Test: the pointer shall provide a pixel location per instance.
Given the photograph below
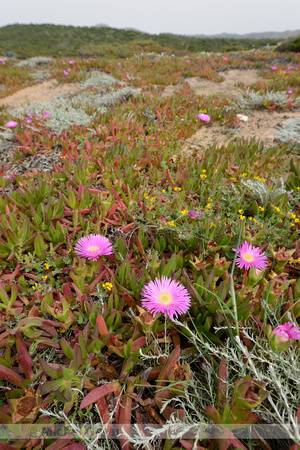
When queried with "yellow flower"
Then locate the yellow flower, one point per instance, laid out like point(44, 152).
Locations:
point(208, 205)
point(216, 170)
point(203, 170)
point(171, 223)
point(184, 212)
point(152, 198)
point(242, 217)
point(241, 211)
point(292, 224)
point(177, 189)
point(47, 266)
point(261, 208)
point(277, 209)
point(296, 220)
point(244, 174)
point(202, 175)
point(164, 191)
point(212, 225)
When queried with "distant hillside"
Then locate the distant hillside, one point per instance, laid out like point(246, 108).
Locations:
point(60, 40)
point(279, 35)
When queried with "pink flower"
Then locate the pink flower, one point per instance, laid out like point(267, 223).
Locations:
point(188, 61)
point(249, 256)
point(234, 166)
point(127, 75)
point(2, 60)
point(46, 114)
point(28, 120)
point(72, 62)
point(195, 214)
point(37, 116)
point(93, 246)
point(66, 73)
point(288, 331)
point(11, 124)
point(119, 64)
point(290, 91)
point(274, 68)
point(166, 296)
point(204, 117)
point(225, 59)
point(69, 69)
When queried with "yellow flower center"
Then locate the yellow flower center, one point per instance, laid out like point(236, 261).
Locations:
point(165, 298)
point(248, 257)
point(93, 248)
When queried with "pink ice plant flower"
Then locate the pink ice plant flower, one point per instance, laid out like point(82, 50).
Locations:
point(66, 73)
point(2, 60)
point(28, 120)
point(249, 256)
point(93, 246)
point(11, 124)
point(204, 117)
point(46, 114)
point(288, 331)
point(166, 296)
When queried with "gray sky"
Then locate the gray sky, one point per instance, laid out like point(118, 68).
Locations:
point(158, 16)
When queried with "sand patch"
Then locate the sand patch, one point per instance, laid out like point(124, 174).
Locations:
point(39, 93)
point(203, 86)
point(261, 125)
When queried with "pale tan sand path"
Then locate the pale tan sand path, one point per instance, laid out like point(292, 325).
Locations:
point(39, 93)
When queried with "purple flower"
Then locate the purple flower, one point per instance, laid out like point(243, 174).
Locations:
point(290, 91)
point(28, 120)
point(225, 59)
point(11, 124)
point(2, 60)
point(195, 214)
point(66, 73)
point(204, 117)
point(188, 61)
point(166, 296)
point(119, 64)
point(274, 68)
point(93, 246)
point(46, 114)
point(249, 256)
point(288, 331)
point(72, 62)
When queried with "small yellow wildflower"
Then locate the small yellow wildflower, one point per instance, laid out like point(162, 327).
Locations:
point(202, 175)
point(171, 223)
point(184, 212)
point(298, 188)
point(277, 209)
point(261, 208)
point(297, 220)
point(204, 171)
point(164, 191)
point(47, 266)
point(216, 170)
point(292, 224)
point(177, 189)
point(244, 174)
point(45, 277)
point(242, 217)
point(152, 199)
point(212, 225)
point(241, 211)
point(108, 286)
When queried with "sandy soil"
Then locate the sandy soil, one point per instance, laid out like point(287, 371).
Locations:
point(39, 93)
point(261, 124)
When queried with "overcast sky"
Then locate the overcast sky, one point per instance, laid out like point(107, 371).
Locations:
point(159, 16)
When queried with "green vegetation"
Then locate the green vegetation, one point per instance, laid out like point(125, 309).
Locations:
point(84, 362)
point(59, 40)
point(290, 45)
